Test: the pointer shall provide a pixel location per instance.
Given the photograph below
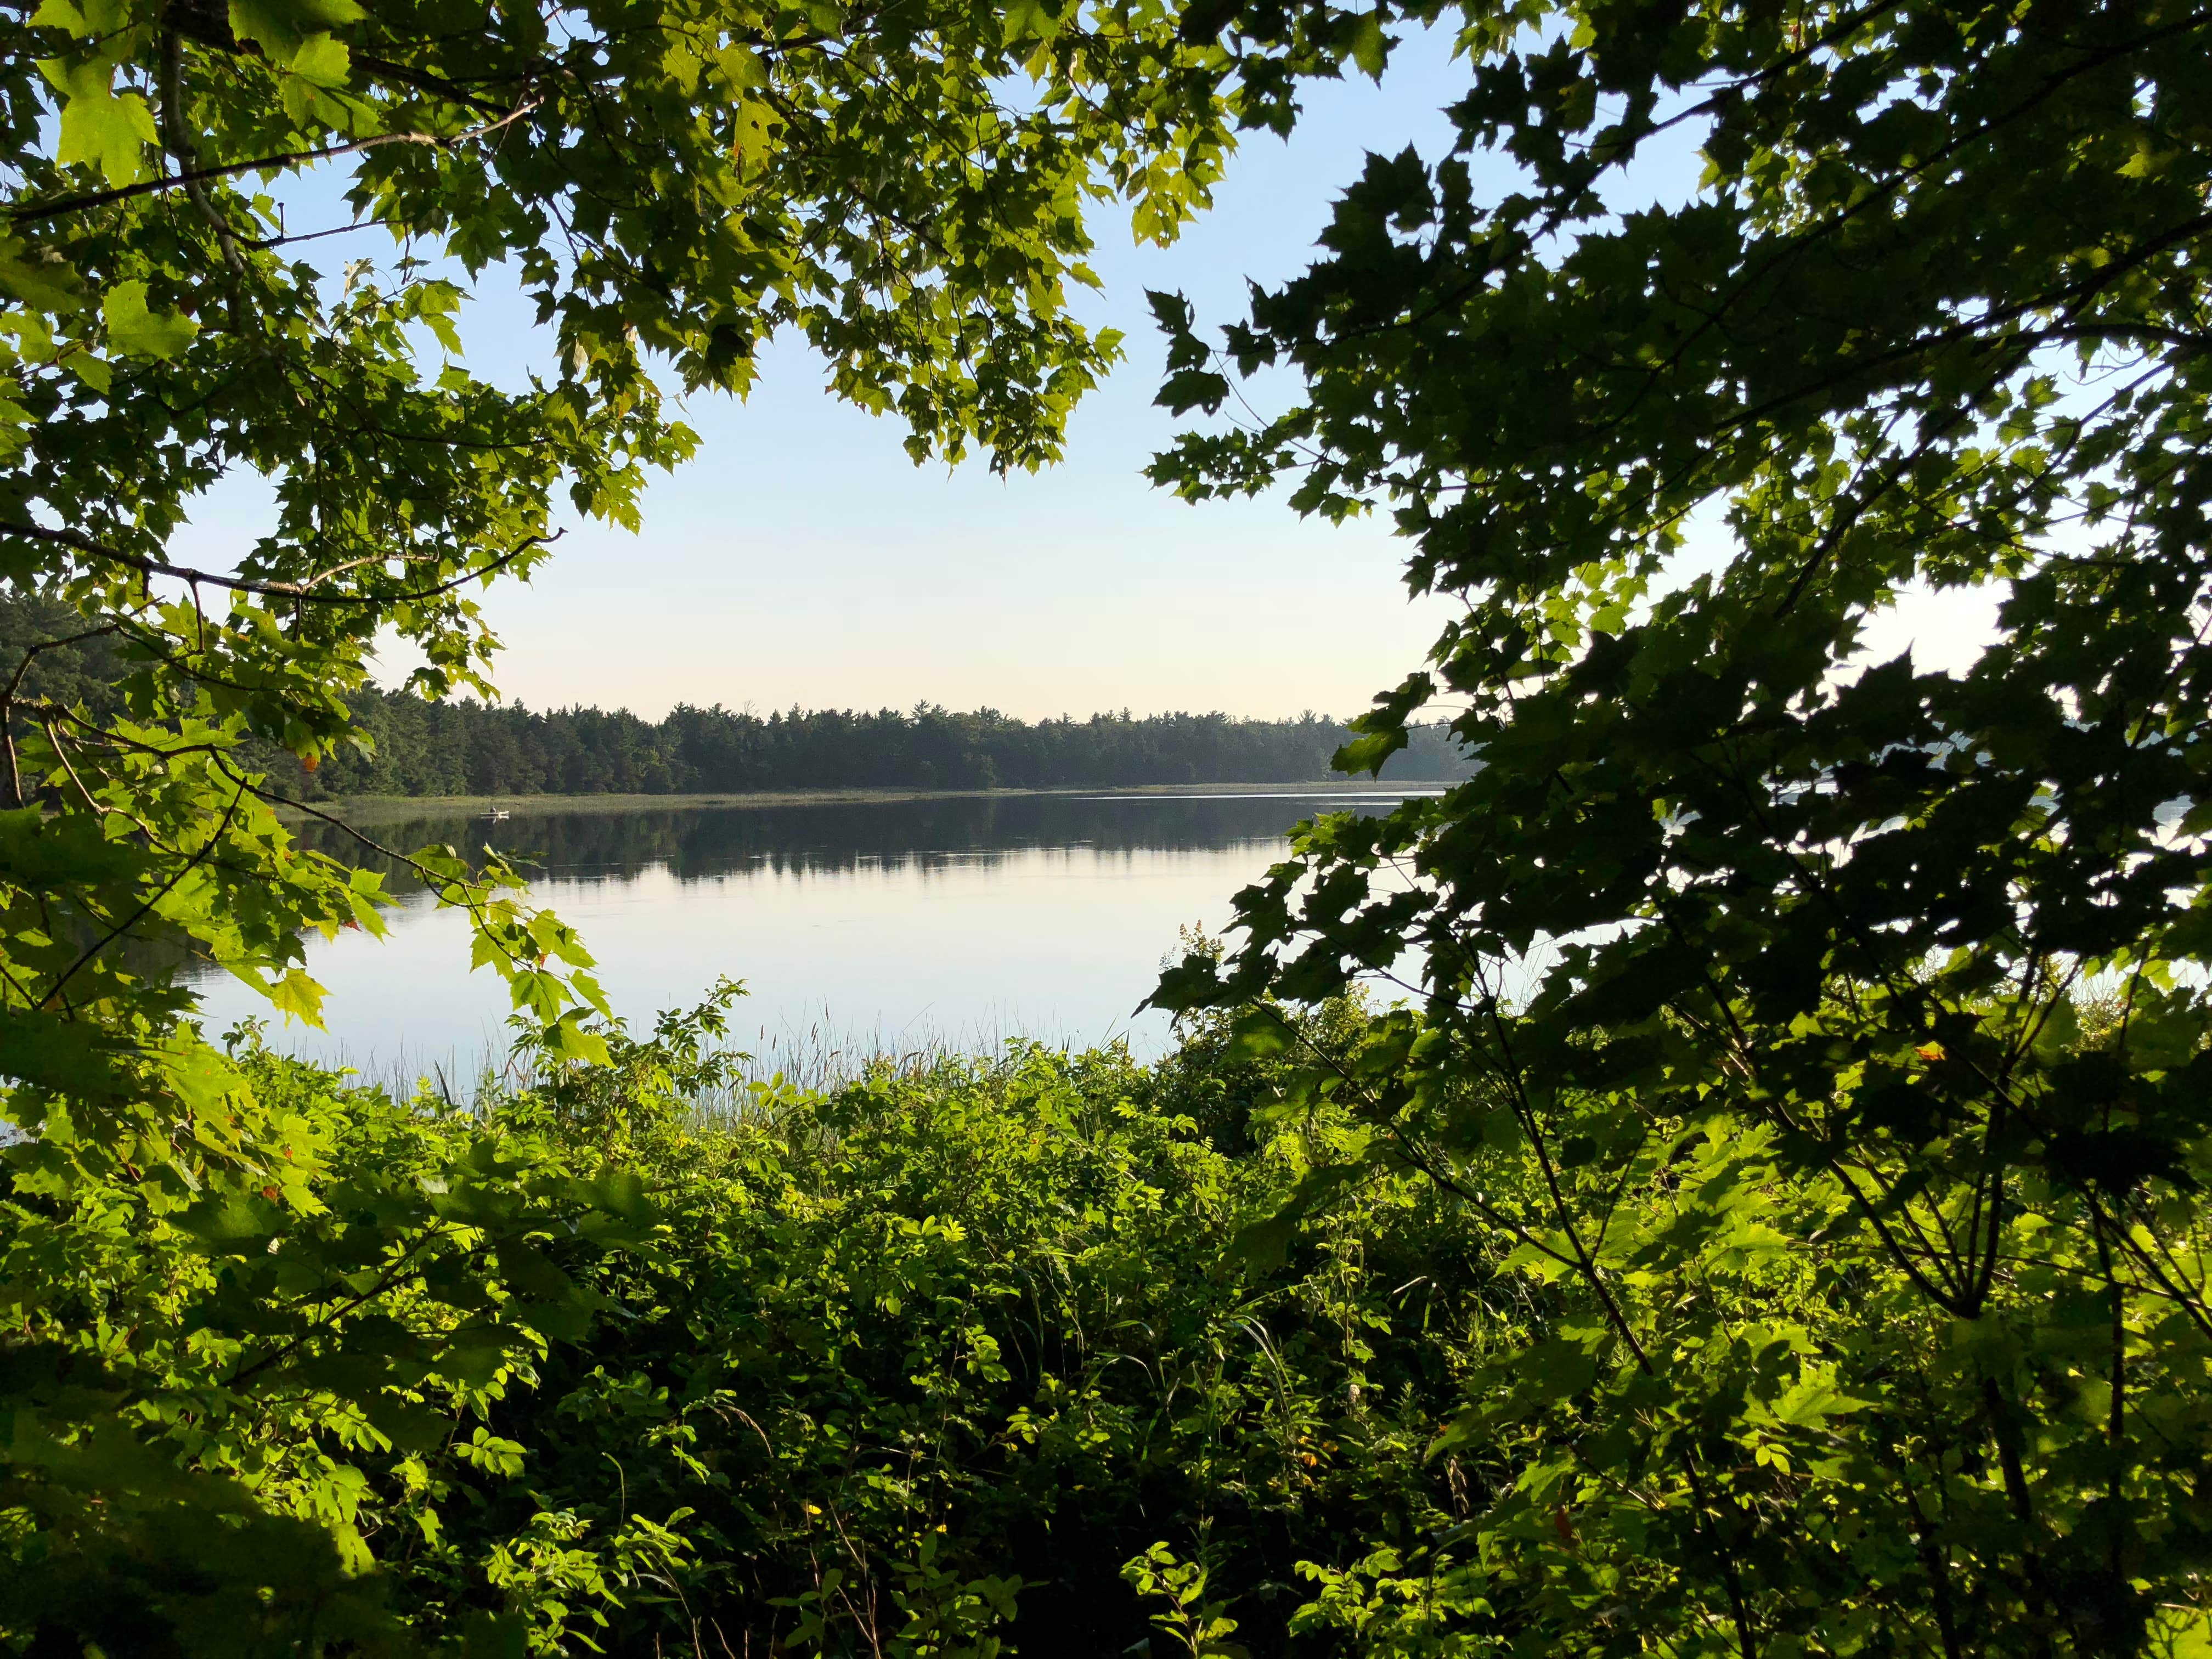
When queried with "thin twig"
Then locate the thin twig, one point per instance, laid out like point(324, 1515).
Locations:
point(33, 212)
point(297, 592)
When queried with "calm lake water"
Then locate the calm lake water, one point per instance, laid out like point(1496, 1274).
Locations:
point(856, 926)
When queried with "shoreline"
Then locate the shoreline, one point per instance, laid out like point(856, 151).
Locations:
point(393, 809)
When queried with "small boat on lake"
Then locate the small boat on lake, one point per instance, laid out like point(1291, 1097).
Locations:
point(496, 814)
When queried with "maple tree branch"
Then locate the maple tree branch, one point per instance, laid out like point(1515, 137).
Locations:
point(187, 178)
point(299, 592)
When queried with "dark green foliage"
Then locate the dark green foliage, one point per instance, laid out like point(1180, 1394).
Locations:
point(1746, 945)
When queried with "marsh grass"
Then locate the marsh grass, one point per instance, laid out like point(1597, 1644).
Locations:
point(820, 1057)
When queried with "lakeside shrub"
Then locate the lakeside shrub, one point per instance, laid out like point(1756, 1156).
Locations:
point(912, 1367)
point(1038, 1352)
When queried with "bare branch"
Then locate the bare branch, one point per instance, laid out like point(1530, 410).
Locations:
point(299, 592)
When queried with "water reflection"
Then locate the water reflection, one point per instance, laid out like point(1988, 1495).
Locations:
point(964, 920)
point(839, 837)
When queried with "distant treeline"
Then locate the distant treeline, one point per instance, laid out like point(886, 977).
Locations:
point(423, 748)
point(467, 748)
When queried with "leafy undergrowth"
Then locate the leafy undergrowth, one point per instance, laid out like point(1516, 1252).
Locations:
point(1055, 1354)
point(917, 1367)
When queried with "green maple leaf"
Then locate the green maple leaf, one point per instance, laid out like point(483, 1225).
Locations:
point(99, 127)
point(133, 330)
point(291, 30)
point(322, 61)
point(1814, 1399)
point(39, 278)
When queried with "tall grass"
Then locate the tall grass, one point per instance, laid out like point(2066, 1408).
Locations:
point(820, 1057)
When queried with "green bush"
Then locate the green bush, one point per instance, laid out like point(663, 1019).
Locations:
point(1057, 1353)
point(914, 1368)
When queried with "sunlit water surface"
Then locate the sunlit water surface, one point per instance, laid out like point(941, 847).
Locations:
point(855, 926)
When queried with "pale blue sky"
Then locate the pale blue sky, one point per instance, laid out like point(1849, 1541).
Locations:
point(802, 559)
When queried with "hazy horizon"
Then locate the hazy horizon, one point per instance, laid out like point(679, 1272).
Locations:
point(760, 710)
